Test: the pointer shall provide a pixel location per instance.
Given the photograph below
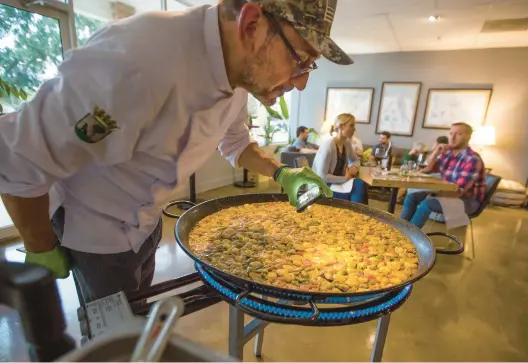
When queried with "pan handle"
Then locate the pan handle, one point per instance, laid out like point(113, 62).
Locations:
point(444, 251)
point(284, 319)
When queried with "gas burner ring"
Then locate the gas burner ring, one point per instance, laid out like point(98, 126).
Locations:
point(305, 297)
point(281, 311)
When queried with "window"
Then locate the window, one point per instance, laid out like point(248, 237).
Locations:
point(271, 130)
point(174, 5)
point(85, 26)
point(91, 15)
point(32, 42)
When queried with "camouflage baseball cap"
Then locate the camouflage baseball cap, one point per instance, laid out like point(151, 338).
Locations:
point(313, 20)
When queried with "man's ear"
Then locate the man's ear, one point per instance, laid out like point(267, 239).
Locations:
point(252, 26)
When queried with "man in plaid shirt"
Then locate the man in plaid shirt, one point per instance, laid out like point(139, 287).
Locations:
point(457, 163)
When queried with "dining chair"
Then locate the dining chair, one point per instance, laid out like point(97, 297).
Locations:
point(492, 183)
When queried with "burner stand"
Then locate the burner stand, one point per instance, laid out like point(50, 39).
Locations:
point(265, 310)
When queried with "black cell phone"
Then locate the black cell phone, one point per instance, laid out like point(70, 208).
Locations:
point(308, 198)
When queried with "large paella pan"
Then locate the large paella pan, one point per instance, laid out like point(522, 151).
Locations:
point(226, 236)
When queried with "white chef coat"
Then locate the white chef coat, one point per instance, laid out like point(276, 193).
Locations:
point(161, 77)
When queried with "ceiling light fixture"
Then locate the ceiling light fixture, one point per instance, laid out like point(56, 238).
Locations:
point(434, 18)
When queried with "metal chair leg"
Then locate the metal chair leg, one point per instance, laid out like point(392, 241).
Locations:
point(433, 222)
point(472, 239)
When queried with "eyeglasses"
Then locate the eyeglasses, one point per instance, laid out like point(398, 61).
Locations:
point(302, 66)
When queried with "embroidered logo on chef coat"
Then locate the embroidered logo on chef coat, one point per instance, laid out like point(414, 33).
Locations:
point(94, 127)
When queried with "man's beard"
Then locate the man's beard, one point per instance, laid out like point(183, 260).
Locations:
point(248, 80)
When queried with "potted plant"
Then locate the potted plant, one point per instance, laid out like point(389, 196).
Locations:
point(312, 134)
point(10, 92)
point(269, 129)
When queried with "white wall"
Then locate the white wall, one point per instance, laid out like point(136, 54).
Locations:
point(505, 70)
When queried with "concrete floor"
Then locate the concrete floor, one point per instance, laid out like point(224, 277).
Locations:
point(463, 310)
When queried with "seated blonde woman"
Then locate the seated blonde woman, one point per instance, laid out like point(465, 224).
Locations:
point(336, 162)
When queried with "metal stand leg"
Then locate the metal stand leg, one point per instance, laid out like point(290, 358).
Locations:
point(381, 337)
point(183, 204)
point(393, 199)
point(246, 183)
point(192, 188)
point(236, 333)
point(240, 334)
point(259, 339)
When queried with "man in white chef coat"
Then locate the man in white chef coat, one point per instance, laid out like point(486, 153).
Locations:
point(134, 113)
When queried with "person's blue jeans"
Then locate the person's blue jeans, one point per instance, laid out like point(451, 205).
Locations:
point(358, 194)
point(417, 209)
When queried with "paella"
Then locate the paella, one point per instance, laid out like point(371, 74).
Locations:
point(325, 249)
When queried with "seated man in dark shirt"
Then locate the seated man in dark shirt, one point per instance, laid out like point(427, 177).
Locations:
point(457, 163)
point(383, 148)
point(440, 140)
point(302, 140)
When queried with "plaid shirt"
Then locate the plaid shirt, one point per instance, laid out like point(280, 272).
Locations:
point(465, 169)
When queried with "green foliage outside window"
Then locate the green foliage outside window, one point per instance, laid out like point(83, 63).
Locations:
point(33, 50)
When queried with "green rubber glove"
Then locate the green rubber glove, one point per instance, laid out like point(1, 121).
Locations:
point(292, 179)
point(56, 261)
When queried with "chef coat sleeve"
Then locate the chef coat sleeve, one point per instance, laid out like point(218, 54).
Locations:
point(55, 134)
point(236, 139)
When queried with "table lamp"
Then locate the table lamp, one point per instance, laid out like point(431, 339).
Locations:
point(483, 136)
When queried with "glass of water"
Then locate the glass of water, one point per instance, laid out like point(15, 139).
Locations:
point(403, 169)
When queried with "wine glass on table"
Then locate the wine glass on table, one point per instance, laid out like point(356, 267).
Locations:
point(378, 155)
point(421, 161)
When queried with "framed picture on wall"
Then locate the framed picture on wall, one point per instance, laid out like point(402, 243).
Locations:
point(447, 106)
point(397, 110)
point(354, 100)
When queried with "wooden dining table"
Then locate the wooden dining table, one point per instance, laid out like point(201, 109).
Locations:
point(374, 177)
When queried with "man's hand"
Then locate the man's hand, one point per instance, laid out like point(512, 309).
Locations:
point(431, 159)
point(440, 149)
point(31, 218)
point(292, 179)
point(56, 261)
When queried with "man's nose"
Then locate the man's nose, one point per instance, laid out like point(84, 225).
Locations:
point(300, 82)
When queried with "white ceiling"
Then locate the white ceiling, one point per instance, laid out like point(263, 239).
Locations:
point(373, 26)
